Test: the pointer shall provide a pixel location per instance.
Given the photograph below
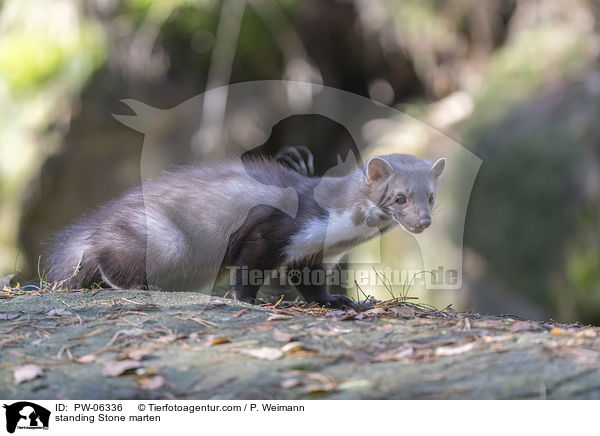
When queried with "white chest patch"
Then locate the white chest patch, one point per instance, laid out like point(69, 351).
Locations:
point(330, 236)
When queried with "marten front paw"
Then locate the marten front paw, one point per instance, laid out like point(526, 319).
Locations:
point(252, 300)
point(340, 302)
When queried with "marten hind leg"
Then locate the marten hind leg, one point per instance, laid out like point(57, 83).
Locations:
point(123, 274)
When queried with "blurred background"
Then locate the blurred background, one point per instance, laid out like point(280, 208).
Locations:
point(517, 82)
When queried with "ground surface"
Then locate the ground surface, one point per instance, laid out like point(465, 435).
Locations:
point(151, 345)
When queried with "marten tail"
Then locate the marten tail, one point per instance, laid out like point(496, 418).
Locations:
point(68, 259)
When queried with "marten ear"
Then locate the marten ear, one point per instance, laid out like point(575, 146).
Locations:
point(378, 169)
point(438, 168)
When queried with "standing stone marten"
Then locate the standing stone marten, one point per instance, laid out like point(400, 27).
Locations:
point(183, 229)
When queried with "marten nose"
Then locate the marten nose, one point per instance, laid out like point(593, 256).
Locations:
point(425, 222)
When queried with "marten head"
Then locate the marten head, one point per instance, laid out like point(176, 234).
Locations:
point(403, 187)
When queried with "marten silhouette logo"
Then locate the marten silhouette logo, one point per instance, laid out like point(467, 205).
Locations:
point(232, 122)
point(26, 415)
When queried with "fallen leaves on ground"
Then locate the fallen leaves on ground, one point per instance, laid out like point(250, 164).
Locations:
point(406, 334)
point(280, 336)
point(454, 350)
point(587, 333)
point(403, 312)
point(264, 353)
point(279, 317)
point(400, 353)
point(217, 340)
point(151, 383)
point(137, 353)
point(88, 358)
point(355, 384)
point(290, 383)
point(59, 312)
point(321, 384)
point(520, 326)
point(296, 347)
point(27, 372)
point(117, 368)
point(169, 338)
point(464, 324)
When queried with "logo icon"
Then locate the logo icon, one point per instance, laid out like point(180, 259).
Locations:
point(189, 133)
point(26, 415)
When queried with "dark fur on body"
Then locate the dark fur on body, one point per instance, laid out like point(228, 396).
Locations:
point(181, 230)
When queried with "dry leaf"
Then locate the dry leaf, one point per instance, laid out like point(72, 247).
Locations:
point(355, 384)
point(587, 333)
point(146, 372)
point(323, 332)
point(293, 347)
point(279, 317)
point(361, 357)
point(167, 339)
point(452, 351)
point(404, 353)
point(524, 326)
point(375, 311)
point(556, 331)
point(264, 353)
point(132, 332)
point(486, 324)
point(332, 332)
point(115, 369)
point(498, 338)
point(88, 358)
point(152, 382)
point(464, 324)
point(59, 312)
point(320, 389)
point(397, 354)
point(403, 312)
point(27, 372)
point(290, 383)
point(351, 315)
point(212, 341)
point(266, 326)
point(280, 336)
point(136, 353)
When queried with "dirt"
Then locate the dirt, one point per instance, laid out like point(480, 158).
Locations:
point(108, 344)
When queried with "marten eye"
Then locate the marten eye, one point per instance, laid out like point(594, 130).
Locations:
point(401, 199)
point(431, 198)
